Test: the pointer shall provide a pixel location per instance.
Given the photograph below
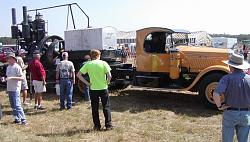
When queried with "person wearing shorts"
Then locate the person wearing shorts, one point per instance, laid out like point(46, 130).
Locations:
point(39, 86)
point(38, 76)
point(24, 85)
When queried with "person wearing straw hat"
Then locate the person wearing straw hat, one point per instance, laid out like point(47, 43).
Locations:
point(24, 86)
point(236, 90)
point(14, 77)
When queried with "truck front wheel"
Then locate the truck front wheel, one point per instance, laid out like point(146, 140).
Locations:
point(207, 87)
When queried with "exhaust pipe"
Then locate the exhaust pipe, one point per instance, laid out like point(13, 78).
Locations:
point(13, 11)
point(25, 19)
point(14, 27)
point(25, 25)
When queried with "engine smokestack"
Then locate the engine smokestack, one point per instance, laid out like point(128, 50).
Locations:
point(14, 27)
point(25, 25)
point(25, 19)
point(13, 11)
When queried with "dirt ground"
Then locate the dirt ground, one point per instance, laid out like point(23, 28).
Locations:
point(138, 115)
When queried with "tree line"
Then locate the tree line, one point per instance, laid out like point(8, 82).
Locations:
point(7, 40)
point(239, 37)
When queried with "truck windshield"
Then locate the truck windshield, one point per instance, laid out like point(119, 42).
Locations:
point(180, 39)
point(160, 42)
point(157, 41)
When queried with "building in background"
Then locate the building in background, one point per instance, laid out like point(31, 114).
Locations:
point(224, 42)
point(127, 39)
point(200, 38)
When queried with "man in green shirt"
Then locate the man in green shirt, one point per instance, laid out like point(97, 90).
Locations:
point(100, 76)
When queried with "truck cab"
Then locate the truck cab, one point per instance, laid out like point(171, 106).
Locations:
point(165, 60)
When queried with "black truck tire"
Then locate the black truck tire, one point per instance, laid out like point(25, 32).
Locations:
point(207, 87)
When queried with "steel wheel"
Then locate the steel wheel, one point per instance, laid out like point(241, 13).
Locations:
point(210, 91)
point(207, 87)
point(50, 48)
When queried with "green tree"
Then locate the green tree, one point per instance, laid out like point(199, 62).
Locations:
point(239, 37)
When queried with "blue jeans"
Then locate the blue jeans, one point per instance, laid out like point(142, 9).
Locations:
point(66, 91)
point(15, 103)
point(86, 93)
point(238, 121)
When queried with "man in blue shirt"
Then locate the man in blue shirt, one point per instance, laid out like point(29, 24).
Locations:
point(236, 89)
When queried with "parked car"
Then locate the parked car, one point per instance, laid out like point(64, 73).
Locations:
point(4, 52)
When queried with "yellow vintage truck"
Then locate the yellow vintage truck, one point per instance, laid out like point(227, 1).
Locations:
point(164, 60)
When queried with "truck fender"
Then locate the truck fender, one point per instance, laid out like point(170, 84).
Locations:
point(202, 73)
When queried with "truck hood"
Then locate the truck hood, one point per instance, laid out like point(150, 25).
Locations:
point(200, 58)
point(207, 50)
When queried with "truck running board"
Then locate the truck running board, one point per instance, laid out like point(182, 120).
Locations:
point(169, 90)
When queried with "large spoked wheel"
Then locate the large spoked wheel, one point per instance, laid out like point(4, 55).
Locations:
point(207, 87)
point(51, 48)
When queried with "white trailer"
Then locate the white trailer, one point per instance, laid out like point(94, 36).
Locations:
point(91, 38)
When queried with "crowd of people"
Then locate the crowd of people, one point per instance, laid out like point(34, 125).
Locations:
point(94, 73)
point(124, 52)
point(96, 76)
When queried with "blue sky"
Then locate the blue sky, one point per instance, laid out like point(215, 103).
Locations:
point(214, 16)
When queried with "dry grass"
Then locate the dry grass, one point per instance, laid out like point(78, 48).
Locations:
point(137, 116)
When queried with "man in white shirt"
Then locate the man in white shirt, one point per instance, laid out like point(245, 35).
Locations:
point(14, 77)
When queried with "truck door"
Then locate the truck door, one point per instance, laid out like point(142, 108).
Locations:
point(151, 52)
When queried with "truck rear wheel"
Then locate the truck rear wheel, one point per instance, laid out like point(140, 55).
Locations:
point(207, 87)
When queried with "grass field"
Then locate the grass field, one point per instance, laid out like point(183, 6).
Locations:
point(137, 115)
